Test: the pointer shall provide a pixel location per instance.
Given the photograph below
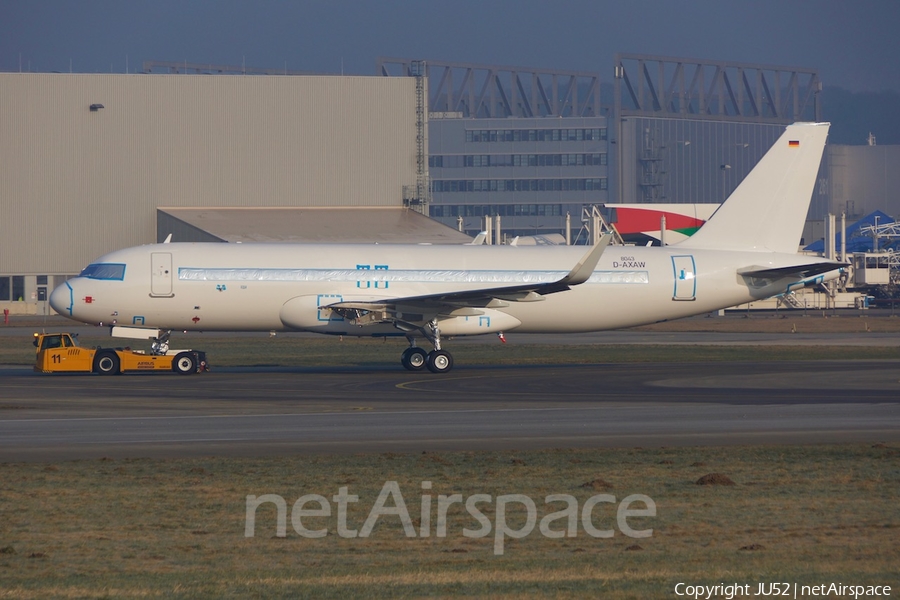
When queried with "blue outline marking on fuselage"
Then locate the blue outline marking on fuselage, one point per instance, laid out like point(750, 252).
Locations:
point(71, 298)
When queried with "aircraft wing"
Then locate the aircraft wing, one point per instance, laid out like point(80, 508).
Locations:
point(428, 306)
point(793, 271)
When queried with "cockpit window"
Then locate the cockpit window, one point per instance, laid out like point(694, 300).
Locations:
point(58, 341)
point(52, 341)
point(114, 271)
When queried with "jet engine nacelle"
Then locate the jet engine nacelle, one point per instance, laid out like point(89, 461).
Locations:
point(486, 321)
point(303, 312)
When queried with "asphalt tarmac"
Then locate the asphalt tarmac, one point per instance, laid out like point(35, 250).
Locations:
point(273, 411)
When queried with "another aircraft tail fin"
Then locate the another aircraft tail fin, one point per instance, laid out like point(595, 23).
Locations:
point(768, 209)
point(479, 239)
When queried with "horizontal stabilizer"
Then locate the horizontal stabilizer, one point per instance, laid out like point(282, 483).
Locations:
point(794, 271)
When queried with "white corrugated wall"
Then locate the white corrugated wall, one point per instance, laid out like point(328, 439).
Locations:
point(76, 183)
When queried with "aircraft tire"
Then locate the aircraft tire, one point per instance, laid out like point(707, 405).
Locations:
point(185, 363)
point(106, 363)
point(439, 361)
point(414, 359)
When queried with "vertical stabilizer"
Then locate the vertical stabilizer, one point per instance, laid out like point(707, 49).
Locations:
point(768, 209)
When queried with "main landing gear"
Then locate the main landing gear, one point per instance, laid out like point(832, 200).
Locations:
point(437, 361)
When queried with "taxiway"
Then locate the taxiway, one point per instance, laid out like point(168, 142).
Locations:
point(260, 411)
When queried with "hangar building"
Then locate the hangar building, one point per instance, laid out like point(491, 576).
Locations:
point(90, 163)
point(525, 146)
point(530, 146)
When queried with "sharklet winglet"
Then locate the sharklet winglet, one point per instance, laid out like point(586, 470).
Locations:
point(582, 271)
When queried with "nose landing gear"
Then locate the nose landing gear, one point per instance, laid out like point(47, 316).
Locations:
point(160, 344)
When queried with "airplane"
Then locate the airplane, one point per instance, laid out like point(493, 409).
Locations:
point(746, 251)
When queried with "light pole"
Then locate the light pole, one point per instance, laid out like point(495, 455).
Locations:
point(724, 168)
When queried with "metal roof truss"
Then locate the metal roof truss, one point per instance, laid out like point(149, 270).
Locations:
point(658, 86)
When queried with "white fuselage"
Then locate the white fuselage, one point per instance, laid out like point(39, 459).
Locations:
point(278, 287)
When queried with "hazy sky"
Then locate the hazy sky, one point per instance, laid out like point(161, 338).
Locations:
point(853, 43)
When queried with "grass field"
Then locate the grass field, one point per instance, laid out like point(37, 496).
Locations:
point(311, 351)
point(291, 351)
point(161, 528)
point(152, 528)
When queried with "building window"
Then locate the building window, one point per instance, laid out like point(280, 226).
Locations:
point(503, 210)
point(18, 287)
point(518, 185)
point(4, 289)
point(517, 160)
point(535, 135)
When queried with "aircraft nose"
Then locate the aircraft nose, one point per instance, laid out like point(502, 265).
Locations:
point(61, 299)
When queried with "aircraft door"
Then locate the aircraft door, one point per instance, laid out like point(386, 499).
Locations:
point(685, 278)
point(161, 274)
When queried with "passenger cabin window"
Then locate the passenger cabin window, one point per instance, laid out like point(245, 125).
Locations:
point(113, 271)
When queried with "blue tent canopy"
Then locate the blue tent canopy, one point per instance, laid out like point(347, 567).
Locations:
point(856, 241)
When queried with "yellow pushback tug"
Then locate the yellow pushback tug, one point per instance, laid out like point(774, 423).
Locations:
point(60, 353)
